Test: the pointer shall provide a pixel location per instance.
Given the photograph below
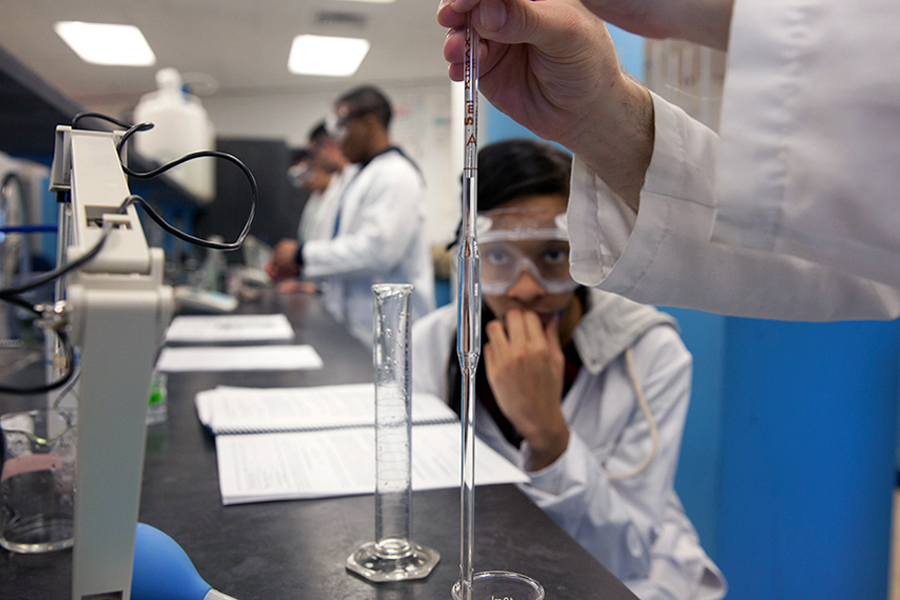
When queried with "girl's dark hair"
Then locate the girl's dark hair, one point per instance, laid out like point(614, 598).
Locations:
point(521, 167)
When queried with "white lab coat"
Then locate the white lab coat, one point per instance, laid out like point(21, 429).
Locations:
point(664, 255)
point(317, 219)
point(636, 527)
point(811, 133)
point(809, 166)
point(380, 239)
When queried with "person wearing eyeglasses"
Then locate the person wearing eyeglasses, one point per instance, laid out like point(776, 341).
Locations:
point(321, 169)
point(585, 390)
point(378, 229)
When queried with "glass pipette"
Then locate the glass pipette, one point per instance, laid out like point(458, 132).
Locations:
point(468, 346)
point(468, 334)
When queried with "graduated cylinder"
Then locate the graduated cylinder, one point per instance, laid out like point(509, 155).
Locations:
point(392, 556)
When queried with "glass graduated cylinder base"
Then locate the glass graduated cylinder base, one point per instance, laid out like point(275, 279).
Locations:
point(382, 562)
point(501, 585)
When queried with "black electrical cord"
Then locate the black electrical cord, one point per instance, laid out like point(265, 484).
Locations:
point(58, 383)
point(93, 115)
point(130, 130)
point(12, 294)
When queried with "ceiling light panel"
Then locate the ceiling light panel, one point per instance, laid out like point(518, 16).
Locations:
point(107, 44)
point(322, 55)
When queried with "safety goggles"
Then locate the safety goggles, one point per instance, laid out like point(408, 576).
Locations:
point(514, 240)
point(336, 125)
point(299, 174)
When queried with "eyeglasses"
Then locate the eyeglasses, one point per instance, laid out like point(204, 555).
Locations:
point(336, 125)
point(299, 173)
point(515, 240)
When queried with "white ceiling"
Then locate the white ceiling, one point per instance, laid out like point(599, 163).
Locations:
point(241, 45)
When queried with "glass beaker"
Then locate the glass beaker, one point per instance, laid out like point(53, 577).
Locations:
point(500, 585)
point(37, 481)
point(392, 556)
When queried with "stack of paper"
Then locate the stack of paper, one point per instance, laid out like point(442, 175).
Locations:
point(320, 442)
point(231, 328)
point(238, 358)
point(258, 410)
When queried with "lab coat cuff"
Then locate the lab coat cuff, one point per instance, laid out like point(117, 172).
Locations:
point(684, 160)
point(298, 256)
point(599, 224)
point(556, 478)
point(613, 249)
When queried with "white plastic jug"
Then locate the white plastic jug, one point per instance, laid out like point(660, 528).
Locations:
point(181, 126)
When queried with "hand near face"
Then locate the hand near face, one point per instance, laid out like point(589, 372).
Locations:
point(525, 368)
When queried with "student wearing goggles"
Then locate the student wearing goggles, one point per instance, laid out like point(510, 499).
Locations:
point(533, 239)
point(585, 390)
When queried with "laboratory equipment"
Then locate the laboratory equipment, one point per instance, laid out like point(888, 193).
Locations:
point(120, 298)
point(486, 585)
point(392, 556)
point(37, 480)
point(158, 409)
point(514, 239)
point(182, 126)
point(501, 585)
point(163, 570)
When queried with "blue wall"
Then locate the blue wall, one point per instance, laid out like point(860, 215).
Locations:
point(808, 441)
point(699, 478)
point(788, 459)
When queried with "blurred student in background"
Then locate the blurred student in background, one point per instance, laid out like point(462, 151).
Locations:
point(378, 228)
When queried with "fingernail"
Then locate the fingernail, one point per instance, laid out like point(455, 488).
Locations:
point(494, 15)
point(442, 4)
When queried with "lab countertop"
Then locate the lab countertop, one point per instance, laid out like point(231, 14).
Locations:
point(297, 549)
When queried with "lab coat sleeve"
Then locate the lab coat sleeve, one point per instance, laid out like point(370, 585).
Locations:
point(432, 343)
point(386, 223)
point(809, 133)
point(665, 256)
point(618, 521)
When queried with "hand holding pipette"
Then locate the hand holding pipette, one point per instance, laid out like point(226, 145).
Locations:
point(552, 67)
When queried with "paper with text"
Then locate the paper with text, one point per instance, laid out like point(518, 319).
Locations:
point(341, 462)
point(238, 358)
point(230, 328)
point(246, 410)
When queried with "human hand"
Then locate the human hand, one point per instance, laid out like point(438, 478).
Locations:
point(292, 286)
point(276, 274)
point(704, 22)
point(284, 254)
point(552, 67)
point(525, 368)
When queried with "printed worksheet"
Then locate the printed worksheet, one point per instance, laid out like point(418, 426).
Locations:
point(238, 358)
point(341, 462)
point(230, 328)
point(227, 409)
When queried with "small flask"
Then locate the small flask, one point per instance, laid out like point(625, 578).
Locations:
point(157, 411)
